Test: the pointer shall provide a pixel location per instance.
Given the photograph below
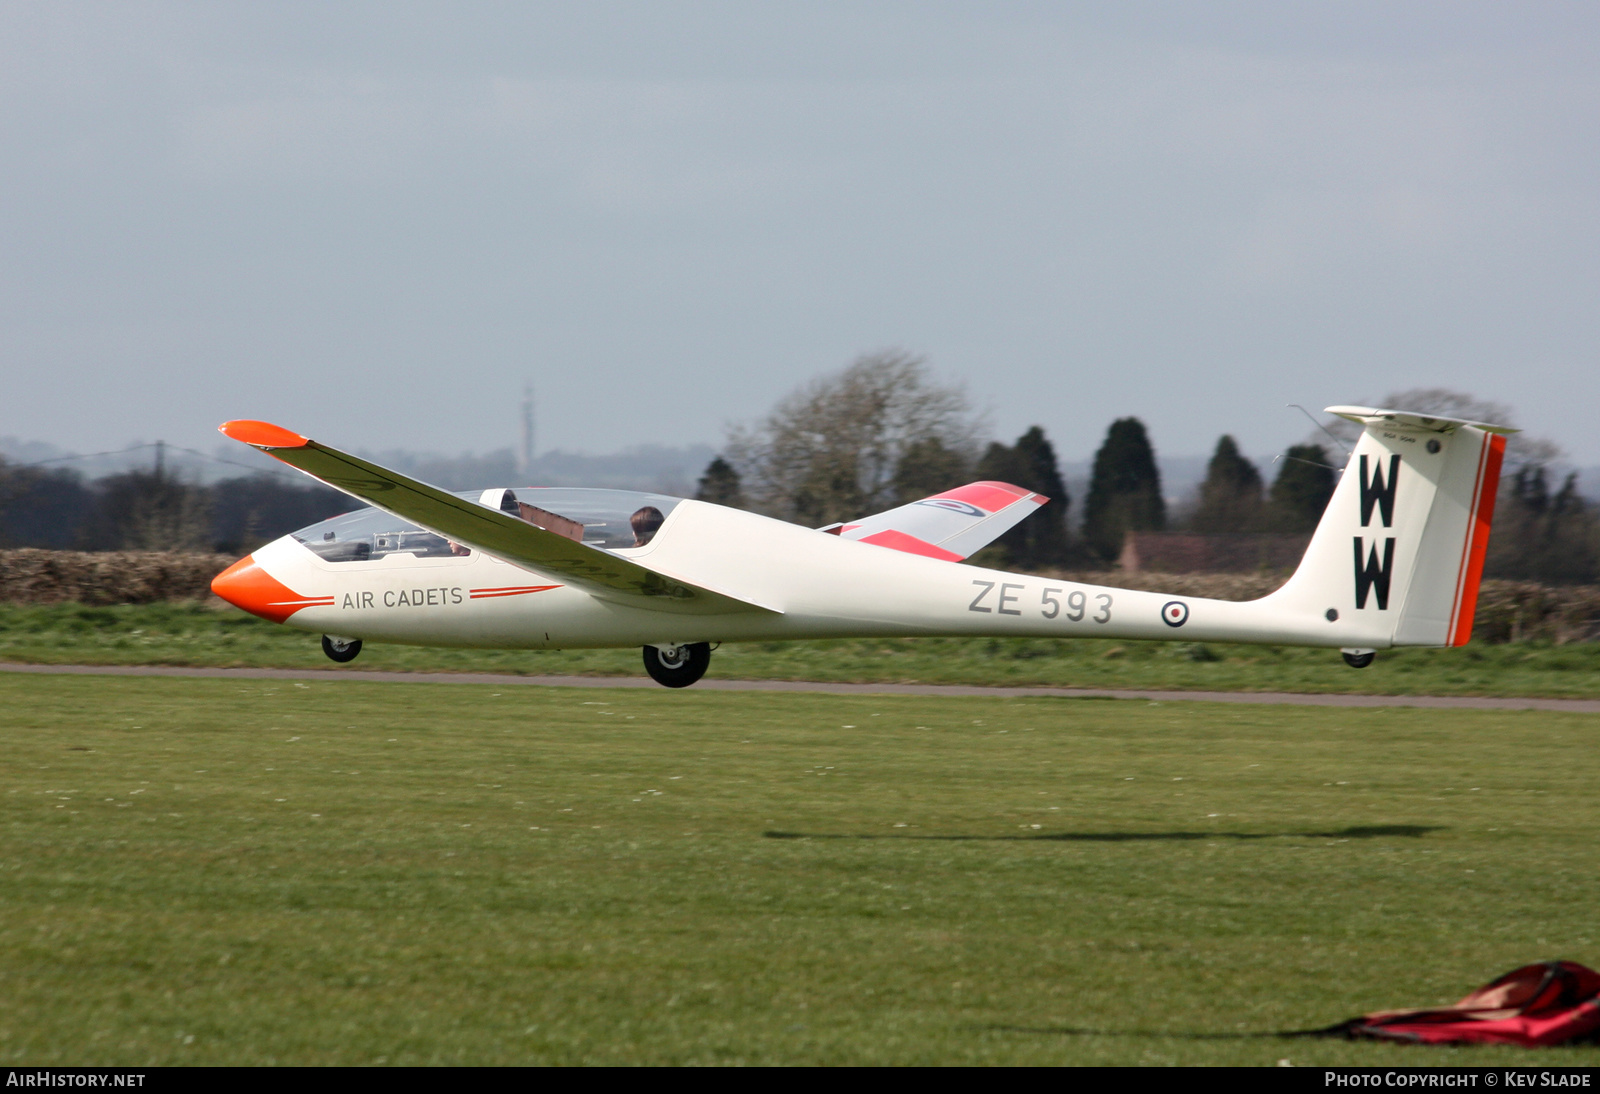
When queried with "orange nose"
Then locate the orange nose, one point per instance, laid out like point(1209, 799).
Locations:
point(246, 585)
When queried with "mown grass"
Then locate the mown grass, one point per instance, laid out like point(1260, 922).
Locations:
point(337, 872)
point(199, 634)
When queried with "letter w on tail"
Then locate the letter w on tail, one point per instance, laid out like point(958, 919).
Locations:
point(1375, 491)
point(1373, 576)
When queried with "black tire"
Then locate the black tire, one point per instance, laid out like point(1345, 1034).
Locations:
point(689, 666)
point(341, 650)
point(1359, 660)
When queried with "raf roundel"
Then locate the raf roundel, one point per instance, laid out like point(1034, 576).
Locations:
point(1175, 613)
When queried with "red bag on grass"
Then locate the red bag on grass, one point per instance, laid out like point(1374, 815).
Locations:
point(1552, 1003)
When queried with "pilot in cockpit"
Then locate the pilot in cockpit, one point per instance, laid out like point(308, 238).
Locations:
point(646, 522)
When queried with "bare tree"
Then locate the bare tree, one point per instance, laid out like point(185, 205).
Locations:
point(830, 450)
point(150, 511)
point(1522, 450)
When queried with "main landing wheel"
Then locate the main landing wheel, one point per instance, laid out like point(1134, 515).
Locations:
point(340, 649)
point(679, 666)
point(1358, 659)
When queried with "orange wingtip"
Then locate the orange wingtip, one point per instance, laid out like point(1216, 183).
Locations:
point(262, 434)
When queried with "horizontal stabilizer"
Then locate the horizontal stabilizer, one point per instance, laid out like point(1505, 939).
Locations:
point(952, 526)
point(490, 530)
point(1410, 419)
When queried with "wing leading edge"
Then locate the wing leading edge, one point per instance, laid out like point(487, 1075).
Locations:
point(490, 530)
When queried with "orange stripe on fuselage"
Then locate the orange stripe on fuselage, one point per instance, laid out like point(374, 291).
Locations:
point(1477, 545)
point(508, 590)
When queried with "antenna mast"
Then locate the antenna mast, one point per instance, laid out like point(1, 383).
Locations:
point(525, 456)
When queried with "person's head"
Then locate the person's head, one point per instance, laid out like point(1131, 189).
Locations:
point(645, 523)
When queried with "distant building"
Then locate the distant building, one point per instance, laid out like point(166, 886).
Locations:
point(1196, 553)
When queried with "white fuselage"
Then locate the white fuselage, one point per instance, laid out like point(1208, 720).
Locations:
point(817, 585)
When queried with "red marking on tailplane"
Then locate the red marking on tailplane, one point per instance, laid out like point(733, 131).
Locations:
point(989, 496)
point(911, 545)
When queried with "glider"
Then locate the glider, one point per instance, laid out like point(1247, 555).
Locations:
point(1395, 561)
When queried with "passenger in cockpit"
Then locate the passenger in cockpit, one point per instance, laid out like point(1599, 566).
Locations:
point(646, 522)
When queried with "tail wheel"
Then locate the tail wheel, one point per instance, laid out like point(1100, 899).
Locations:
point(1358, 659)
point(340, 649)
point(677, 666)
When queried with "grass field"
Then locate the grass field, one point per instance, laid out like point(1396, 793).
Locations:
point(223, 871)
point(198, 634)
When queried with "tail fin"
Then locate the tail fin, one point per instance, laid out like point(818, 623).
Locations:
point(1399, 551)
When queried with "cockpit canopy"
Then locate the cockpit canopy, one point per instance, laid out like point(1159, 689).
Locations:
point(600, 518)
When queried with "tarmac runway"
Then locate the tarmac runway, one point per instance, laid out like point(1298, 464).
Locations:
point(1440, 702)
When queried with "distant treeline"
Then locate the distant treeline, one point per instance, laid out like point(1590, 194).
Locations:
point(1539, 534)
point(879, 434)
point(156, 510)
point(882, 433)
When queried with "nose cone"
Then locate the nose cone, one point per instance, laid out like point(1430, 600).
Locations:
point(246, 585)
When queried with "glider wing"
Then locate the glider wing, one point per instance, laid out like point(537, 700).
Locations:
point(952, 526)
point(497, 533)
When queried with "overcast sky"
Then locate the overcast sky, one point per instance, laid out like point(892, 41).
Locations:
point(374, 223)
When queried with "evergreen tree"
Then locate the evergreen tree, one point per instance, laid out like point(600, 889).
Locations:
point(1537, 537)
point(1301, 491)
point(1047, 529)
point(1230, 498)
point(1041, 539)
point(1002, 463)
point(926, 468)
point(720, 485)
point(1124, 490)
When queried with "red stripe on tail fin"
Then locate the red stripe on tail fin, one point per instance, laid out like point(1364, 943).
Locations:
point(1477, 538)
